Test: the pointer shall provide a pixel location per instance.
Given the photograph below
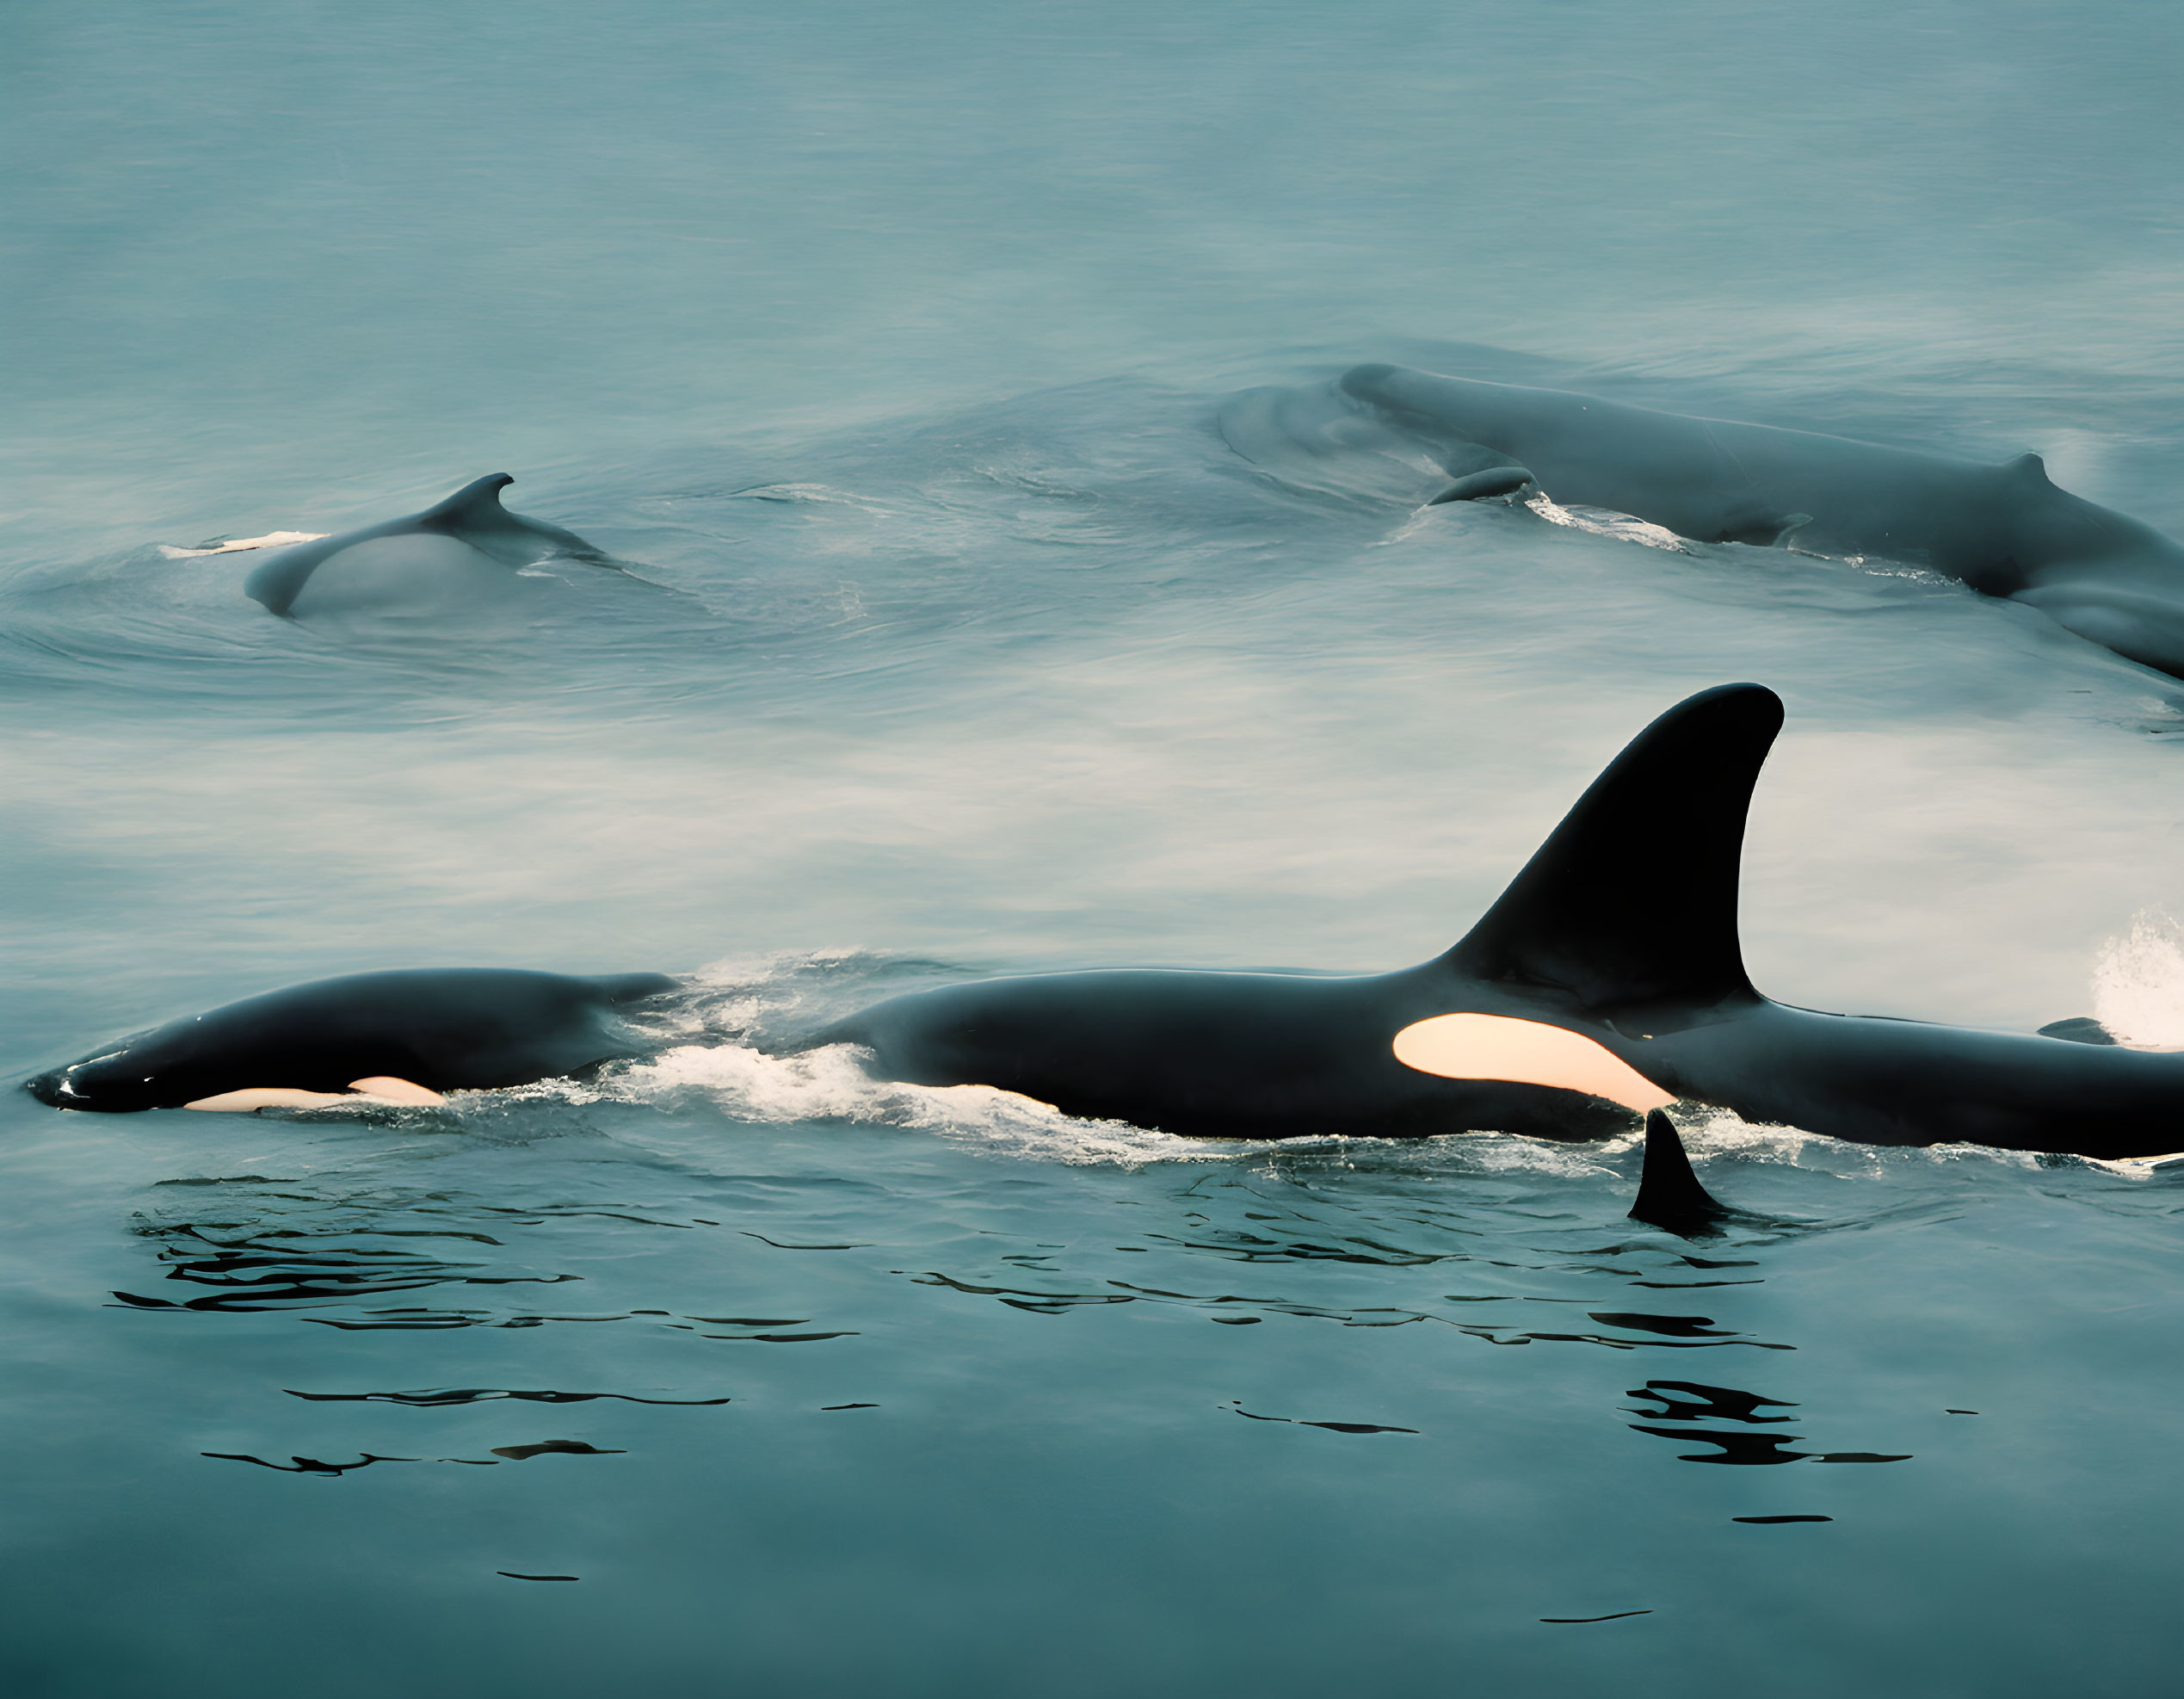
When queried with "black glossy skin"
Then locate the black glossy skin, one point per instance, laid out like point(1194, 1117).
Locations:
point(1217, 1055)
point(1622, 928)
point(445, 1029)
point(2005, 530)
point(473, 515)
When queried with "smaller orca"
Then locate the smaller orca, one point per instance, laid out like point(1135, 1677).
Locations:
point(404, 1036)
point(2006, 530)
point(1607, 981)
point(472, 518)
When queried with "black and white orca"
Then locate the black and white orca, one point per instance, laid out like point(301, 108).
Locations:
point(409, 1036)
point(1606, 983)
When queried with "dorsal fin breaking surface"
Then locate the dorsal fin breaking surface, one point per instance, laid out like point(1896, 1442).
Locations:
point(1670, 1194)
point(475, 507)
point(1633, 898)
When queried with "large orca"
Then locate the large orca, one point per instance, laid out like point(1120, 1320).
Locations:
point(2005, 530)
point(1607, 981)
point(470, 522)
point(407, 1036)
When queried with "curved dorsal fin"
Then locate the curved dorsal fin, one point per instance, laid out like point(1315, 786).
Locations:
point(1670, 1194)
point(475, 507)
point(1633, 897)
point(2029, 466)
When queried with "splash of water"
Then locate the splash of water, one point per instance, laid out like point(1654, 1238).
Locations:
point(2138, 982)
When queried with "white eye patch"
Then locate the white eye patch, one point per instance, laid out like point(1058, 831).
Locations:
point(1527, 1053)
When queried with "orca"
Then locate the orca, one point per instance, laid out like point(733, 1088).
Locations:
point(1607, 981)
point(471, 519)
point(408, 1036)
point(2005, 530)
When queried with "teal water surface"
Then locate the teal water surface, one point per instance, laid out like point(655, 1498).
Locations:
point(887, 349)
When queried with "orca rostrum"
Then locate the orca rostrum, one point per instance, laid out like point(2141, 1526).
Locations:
point(1605, 983)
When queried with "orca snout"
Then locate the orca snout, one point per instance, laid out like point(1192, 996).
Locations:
point(50, 1089)
point(66, 1088)
point(109, 1085)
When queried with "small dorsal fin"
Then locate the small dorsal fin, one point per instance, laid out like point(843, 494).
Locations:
point(1669, 1196)
point(1490, 484)
point(2029, 466)
point(1633, 897)
point(475, 507)
point(2079, 1030)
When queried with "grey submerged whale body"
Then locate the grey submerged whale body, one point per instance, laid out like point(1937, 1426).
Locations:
point(472, 516)
point(441, 1029)
point(2005, 530)
point(1607, 981)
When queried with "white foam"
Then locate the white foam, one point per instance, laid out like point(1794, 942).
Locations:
point(1606, 522)
point(830, 1085)
point(271, 539)
point(2139, 983)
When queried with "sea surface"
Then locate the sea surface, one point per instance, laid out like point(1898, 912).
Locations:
point(886, 349)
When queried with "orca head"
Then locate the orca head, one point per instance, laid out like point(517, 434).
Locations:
point(114, 1083)
point(162, 1068)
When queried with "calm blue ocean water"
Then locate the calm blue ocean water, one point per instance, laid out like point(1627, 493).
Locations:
point(887, 345)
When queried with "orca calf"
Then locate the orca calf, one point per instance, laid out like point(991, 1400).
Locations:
point(404, 1036)
point(471, 520)
point(1607, 981)
point(2005, 530)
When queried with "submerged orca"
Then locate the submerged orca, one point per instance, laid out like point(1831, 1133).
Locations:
point(402, 1036)
point(1606, 982)
point(2005, 530)
point(473, 517)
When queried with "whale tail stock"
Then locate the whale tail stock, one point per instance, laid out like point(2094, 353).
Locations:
point(1631, 900)
point(1669, 1196)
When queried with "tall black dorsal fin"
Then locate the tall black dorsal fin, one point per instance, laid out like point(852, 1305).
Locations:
point(1633, 897)
point(475, 507)
point(1670, 1194)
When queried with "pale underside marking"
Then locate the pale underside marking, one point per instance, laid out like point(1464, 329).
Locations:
point(1525, 1052)
point(378, 1089)
point(271, 539)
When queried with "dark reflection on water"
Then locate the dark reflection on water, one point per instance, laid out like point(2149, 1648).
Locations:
point(1332, 1427)
point(435, 1399)
point(1360, 1236)
point(514, 1453)
point(1691, 1401)
point(266, 1264)
point(1713, 1404)
point(1361, 1231)
point(312, 1466)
